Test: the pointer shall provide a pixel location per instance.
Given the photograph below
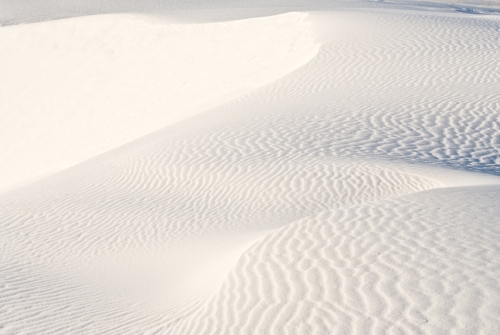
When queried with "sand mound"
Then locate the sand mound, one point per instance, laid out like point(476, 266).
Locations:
point(106, 80)
point(324, 172)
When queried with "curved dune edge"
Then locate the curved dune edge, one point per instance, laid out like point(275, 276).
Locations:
point(106, 80)
point(320, 202)
point(416, 264)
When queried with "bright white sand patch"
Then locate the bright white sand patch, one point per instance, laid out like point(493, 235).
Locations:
point(320, 202)
point(79, 87)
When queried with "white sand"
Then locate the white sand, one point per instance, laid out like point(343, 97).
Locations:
point(105, 80)
point(314, 172)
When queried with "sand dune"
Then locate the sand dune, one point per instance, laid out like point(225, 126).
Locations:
point(106, 80)
point(408, 265)
point(323, 172)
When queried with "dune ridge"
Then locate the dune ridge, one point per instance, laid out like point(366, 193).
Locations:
point(108, 79)
point(353, 190)
point(407, 265)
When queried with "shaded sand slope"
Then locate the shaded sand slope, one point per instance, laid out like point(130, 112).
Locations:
point(147, 250)
point(314, 204)
point(417, 265)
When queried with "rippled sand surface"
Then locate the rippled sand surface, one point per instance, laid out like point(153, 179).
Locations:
point(250, 168)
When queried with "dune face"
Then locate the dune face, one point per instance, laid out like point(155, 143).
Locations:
point(312, 172)
point(106, 80)
point(406, 265)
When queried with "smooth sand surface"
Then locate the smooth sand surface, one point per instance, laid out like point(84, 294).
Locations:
point(334, 170)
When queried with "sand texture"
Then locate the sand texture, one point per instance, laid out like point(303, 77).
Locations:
point(248, 168)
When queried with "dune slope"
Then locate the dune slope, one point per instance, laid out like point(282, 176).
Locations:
point(416, 265)
point(108, 79)
point(353, 188)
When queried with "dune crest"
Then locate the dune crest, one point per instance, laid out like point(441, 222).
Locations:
point(108, 79)
point(331, 172)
